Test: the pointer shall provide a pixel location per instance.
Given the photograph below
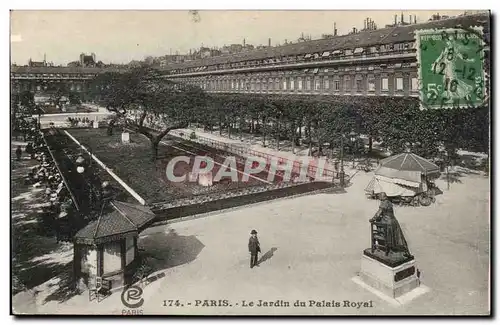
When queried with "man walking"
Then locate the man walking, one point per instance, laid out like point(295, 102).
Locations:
point(254, 248)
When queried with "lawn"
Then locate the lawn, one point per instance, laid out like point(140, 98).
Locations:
point(132, 163)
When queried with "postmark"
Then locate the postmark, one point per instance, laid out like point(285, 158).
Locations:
point(451, 68)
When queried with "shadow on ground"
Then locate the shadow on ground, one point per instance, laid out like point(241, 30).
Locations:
point(268, 255)
point(65, 284)
point(160, 251)
point(36, 256)
point(452, 177)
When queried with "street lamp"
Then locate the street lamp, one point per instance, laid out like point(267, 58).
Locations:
point(79, 162)
point(87, 171)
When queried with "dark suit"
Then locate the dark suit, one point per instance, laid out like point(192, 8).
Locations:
point(254, 248)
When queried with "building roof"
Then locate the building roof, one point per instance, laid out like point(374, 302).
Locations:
point(63, 70)
point(114, 224)
point(391, 35)
point(409, 162)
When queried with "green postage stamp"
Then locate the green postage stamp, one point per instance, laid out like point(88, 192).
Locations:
point(451, 68)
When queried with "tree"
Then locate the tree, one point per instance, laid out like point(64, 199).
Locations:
point(143, 93)
point(57, 91)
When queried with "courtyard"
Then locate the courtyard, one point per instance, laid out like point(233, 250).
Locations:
point(311, 250)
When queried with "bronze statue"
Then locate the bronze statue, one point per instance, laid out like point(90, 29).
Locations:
point(387, 230)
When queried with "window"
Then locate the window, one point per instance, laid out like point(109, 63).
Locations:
point(252, 84)
point(399, 83)
point(284, 84)
point(308, 84)
point(385, 84)
point(347, 81)
point(299, 81)
point(326, 83)
point(336, 85)
point(276, 84)
point(292, 83)
point(317, 84)
point(414, 84)
point(359, 85)
point(371, 83)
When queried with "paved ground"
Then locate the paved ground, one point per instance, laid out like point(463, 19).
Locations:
point(313, 245)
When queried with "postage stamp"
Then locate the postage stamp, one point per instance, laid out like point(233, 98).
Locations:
point(451, 67)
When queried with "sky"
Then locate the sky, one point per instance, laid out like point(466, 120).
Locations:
point(122, 36)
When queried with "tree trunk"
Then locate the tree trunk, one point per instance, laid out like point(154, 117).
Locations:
point(320, 147)
point(265, 131)
point(154, 149)
point(370, 144)
point(220, 125)
point(142, 118)
point(242, 121)
point(278, 134)
point(293, 137)
point(110, 127)
point(309, 137)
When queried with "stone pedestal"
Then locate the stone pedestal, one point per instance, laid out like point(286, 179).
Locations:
point(125, 137)
point(394, 278)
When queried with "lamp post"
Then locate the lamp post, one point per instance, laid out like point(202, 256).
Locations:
point(88, 172)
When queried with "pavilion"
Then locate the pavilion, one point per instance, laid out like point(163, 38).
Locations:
point(107, 247)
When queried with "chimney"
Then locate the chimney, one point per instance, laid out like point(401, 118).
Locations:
point(269, 42)
point(415, 19)
point(244, 42)
point(365, 22)
point(395, 19)
point(402, 18)
point(410, 19)
point(334, 29)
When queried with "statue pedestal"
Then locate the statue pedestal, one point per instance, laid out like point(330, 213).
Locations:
point(125, 137)
point(393, 275)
